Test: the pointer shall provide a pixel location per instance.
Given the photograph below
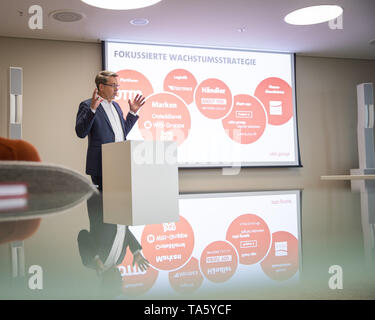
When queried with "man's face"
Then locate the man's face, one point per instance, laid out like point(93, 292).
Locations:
point(109, 90)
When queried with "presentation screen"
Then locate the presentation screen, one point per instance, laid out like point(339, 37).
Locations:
point(223, 107)
point(223, 241)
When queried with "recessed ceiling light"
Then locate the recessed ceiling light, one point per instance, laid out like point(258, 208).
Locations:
point(66, 15)
point(313, 15)
point(139, 22)
point(121, 4)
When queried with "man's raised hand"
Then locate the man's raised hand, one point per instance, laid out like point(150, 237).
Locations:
point(137, 103)
point(96, 100)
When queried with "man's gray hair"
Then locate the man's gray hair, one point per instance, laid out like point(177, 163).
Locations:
point(103, 76)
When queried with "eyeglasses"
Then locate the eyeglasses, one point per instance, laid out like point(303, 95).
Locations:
point(113, 85)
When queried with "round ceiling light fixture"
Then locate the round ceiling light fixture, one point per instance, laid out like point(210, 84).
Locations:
point(66, 15)
point(139, 22)
point(120, 4)
point(313, 15)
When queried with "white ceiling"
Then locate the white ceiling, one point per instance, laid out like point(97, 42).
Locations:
point(207, 23)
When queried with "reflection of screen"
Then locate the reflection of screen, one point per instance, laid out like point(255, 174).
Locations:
point(222, 107)
point(222, 242)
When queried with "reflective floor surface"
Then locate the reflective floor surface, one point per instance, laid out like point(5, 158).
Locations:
point(273, 244)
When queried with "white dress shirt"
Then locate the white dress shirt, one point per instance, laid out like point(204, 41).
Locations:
point(117, 247)
point(114, 119)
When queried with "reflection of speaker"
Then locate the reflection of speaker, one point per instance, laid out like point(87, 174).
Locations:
point(15, 103)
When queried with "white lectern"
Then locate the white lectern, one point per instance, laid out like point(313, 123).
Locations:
point(140, 182)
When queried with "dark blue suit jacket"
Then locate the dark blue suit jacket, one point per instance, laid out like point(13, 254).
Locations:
point(99, 240)
point(99, 131)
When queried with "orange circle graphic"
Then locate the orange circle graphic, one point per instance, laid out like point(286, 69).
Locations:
point(187, 279)
point(135, 281)
point(247, 121)
point(131, 83)
point(213, 98)
point(219, 261)
point(182, 83)
point(164, 117)
point(276, 96)
point(168, 246)
point(251, 237)
point(281, 262)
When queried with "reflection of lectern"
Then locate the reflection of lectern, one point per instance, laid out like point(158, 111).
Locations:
point(140, 182)
point(366, 155)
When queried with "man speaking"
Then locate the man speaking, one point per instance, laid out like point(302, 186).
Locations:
point(102, 120)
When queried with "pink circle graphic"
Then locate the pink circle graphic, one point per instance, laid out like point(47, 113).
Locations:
point(182, 83)
point(135, 281)
point(131, 83)
point(276, 96)
point(168, 246)
point(281, 262)
point(219, 261)
point(164, 117)
point(247, 121)
point(187, 279)
point(251, 237)
point(213, 98)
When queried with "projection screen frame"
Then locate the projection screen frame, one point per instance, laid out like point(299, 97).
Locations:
point(298, 162)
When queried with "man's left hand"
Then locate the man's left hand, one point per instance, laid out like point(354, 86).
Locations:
point(141, 261)
point(137, 103)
